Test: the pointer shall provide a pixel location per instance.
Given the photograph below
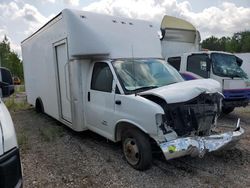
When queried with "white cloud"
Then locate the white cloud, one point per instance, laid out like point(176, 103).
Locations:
point(141, 9)
point(18, 20)
point(2, 33)
point(223, 20)
point(219, 21)
point(7, 10)
point(15, 47)
point(30, 14)
point(71, 2)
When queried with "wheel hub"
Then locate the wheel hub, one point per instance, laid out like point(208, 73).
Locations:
point(131, 151)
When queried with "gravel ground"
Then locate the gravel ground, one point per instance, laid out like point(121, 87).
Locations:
point(54, 156)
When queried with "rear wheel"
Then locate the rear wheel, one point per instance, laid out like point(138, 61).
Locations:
point(39, 105)
point(227, 110)
point(137, 149)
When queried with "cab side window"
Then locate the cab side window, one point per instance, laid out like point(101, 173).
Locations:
point(197, 64)
point(175, 62)
point(102, 77)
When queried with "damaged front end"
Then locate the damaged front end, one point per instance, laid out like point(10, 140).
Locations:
point(189, 127)
point(199, 145)
point(194, 117)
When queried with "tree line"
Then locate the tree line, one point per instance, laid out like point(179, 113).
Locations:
point(238, 43)
point(10, 59)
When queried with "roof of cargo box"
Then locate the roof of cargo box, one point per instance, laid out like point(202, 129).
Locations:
point(179, 30)
point(91, 34)
point(171, 22)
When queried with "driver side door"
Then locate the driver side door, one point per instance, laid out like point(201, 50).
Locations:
point(100, 100)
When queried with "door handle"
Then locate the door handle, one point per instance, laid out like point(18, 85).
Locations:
point(118, 102)
point(88, 96)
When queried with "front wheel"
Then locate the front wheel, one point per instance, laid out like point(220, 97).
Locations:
point(227, 110)
point(137, 149)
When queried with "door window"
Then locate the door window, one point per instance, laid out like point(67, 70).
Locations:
point(102, 77)
point(175, 62)
point(197, 64)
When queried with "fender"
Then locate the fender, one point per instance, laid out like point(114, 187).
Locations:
point(130, 123)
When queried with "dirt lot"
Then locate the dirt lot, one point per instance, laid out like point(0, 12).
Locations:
point(54, 156)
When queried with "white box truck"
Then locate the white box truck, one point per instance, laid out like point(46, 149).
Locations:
point(181, 48)
point(106, 74)
point(10, 165)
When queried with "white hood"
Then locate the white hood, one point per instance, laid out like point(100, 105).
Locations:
point(184, 91)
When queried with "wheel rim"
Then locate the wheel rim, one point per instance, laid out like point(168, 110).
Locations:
point(131, 151)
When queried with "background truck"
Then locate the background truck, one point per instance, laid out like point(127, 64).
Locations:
point(107, 74)
point(10, 165)
point(181, 48)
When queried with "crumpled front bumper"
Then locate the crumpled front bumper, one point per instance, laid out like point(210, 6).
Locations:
point(198, 146)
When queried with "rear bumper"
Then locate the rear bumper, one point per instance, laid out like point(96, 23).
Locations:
point(10, 169)
point(198, 146)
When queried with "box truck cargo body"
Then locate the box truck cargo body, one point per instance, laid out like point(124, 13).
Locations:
point(107, 74)
point(57, 58)
point(181, 48)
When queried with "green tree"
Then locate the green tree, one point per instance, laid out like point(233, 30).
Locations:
point(4, 51)
point(245, 41)
point(210, 43)
point(239, 42)
point(10, 59)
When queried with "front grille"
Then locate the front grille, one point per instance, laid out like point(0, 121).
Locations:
point(197, 115)
point(10, 169)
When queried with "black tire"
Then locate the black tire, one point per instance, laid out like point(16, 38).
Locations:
point(39, 106)
point(227, 110)
point(140, 158)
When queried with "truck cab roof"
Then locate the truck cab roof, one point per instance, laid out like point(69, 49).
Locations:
point(209, 52)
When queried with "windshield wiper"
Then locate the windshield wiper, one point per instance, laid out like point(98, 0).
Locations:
point(145, 88)
point(172, 83)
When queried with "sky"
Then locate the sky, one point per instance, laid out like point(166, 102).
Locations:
point(21, 18)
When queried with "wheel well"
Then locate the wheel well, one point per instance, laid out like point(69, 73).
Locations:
point(39, 105)
point(122, 126)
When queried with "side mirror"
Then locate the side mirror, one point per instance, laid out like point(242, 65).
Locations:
point(6, 82)
point(239, 61)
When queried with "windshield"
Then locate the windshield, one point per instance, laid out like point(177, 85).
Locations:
point(226, 65)
point(140, 75)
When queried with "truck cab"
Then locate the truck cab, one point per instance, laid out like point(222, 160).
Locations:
point(180, 43)
point(10, 165)
point(221, 66)
point(142, 102)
